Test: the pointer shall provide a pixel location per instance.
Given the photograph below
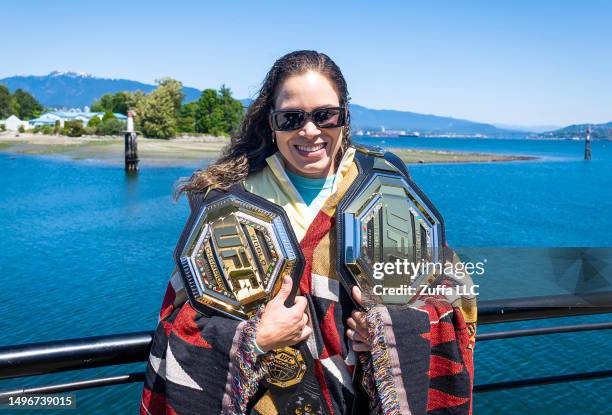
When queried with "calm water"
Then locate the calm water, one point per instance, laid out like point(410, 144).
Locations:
point(86, 251)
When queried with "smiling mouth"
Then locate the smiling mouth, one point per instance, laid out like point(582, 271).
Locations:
point(311, 148)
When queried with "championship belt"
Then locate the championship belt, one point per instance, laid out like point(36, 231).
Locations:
point(233, 255)
point(385, 218)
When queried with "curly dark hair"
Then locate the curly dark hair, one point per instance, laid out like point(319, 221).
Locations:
point(253, 143)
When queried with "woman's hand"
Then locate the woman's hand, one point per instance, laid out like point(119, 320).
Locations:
point(282, 326)
point(358, 329)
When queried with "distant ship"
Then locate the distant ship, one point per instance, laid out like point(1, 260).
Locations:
point(388, 133)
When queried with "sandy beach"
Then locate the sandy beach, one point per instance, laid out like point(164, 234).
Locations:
point(185, 151)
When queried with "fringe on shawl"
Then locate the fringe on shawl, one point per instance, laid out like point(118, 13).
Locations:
point(368, 385)
point(248, 370)
point(380, 367)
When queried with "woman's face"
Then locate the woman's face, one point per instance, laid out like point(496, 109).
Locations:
point(310, 150)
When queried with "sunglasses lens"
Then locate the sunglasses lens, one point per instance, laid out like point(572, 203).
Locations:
point(327, 117)
point(288, 120)
point(295, 119)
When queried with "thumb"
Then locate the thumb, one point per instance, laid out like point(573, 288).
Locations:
point(357, 296)
point(285, 289)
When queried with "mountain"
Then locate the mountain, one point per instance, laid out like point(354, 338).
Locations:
point(366, 118)
point(363, 118)
point(598, 131)
point(75, 90)
point(72, 90)
point(527, 128)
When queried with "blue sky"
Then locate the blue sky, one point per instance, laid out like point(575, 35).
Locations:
point(513, 62)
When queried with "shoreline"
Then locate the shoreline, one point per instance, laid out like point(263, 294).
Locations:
point(188, 150)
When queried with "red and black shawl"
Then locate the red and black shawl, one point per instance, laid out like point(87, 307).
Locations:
point(422, 363)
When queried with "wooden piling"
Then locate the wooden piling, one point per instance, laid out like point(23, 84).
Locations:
point(131, 152)
point(587, 144)
point(131, 147)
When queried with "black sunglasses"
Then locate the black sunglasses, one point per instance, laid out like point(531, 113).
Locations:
point(288, 120)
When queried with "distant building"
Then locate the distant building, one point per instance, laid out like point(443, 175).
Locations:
point(49, 118)
point(13, 123)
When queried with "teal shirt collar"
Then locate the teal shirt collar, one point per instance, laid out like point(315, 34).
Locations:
point(309, 188)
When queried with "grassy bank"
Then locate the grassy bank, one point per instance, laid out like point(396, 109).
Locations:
point(185, 150)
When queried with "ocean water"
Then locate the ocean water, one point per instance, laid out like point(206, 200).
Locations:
point(85, 251)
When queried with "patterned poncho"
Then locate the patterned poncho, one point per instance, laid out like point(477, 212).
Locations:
point(422, 359)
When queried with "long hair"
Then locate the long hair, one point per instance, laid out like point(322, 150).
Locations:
point(253, 143)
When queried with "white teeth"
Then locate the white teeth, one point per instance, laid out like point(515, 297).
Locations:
point(311, 148)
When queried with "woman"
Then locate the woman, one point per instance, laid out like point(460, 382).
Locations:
point(294, 149)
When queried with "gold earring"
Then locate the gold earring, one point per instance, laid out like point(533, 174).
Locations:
point(273, 137)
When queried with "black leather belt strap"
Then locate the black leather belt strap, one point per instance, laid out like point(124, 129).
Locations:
point(304, 397)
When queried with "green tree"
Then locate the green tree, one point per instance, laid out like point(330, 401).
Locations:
point(93, 122)
point(118, 102)
point(28, 106)
point(232, 110)
point(6, 106)
point(157, 116)
point(14, 106)
point(111, 126)
point(208, 114)
point(133, 98)
point(73, 128)
point(157, 111)
point(121, 102)
point(185, 122)
point(104, 104)
point(174, 89)
point(217, 113)
point(108, 115)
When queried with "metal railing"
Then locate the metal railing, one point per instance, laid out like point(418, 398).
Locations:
point(60, 356)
